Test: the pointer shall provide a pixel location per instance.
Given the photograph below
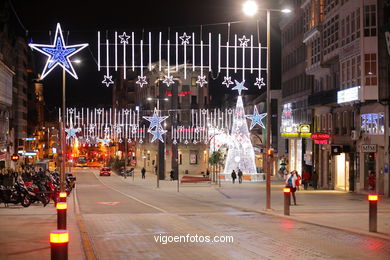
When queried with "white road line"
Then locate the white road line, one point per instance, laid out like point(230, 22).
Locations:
point(132, 197)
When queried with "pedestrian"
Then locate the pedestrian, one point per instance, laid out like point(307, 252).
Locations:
point(143, 171)
point(305, 179)
point(207, 173)
point(298, 180)
point(234, 176)
point(239, 176)
point(314, 179)
point(155, 169)
point(172, 175)
point(291, 183)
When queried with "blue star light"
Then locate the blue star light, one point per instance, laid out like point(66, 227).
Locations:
point(157, 134)
point(256, 118)
point(105, 141)
point(239, 86)
point(58, 53)
point(155, 120)
point(71, 132)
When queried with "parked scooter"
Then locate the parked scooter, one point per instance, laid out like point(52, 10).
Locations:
point(17, 194)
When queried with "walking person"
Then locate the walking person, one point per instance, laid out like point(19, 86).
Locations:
point(143, 171)
point(234, 176)
point(298, 180)
point(291, 183)
point(172, 175)
point(314, 179)
point(305, 179)
point(239, 176)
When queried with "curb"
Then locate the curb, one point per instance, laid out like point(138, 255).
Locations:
point(88, 248)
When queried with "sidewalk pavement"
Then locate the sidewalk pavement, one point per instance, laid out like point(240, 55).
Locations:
point(341, 210)
point(25, 231)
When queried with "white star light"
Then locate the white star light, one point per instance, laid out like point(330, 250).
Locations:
point(239, 86)
point(201, 81)
point(227, 81)
point(185, 39)
point(244, 41)
point(58, 53)
point(155, 120)
point(256, 118)
point(157, 134)
point(124, 38)
point(141, 81)
point(259, 83)
point(107, 80)
point(168, 80)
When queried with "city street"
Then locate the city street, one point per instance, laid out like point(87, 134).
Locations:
point(125, 228)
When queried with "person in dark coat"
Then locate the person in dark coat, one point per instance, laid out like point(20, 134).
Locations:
point(143, 171)
point(172, 175)
point(234, 176)
point(239, 176)
point(314, 179)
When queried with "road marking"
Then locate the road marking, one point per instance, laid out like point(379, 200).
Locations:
point(110, 203)
point(132, 197)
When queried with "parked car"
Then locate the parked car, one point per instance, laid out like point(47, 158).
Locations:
point(105, 171)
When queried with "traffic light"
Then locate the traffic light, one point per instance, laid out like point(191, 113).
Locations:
point(15, 157)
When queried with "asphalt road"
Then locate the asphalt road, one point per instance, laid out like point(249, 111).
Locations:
point(124, 220)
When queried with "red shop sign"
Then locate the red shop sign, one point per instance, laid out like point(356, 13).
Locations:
point(320, 136)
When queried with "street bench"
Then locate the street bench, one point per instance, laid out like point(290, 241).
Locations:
point(194, 179)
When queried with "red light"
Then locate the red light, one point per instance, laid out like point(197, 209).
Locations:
point(372, 197)
point(59, 236)
point(320, 136)
point(321, 141)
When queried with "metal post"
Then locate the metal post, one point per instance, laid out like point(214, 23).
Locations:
point(61, 215)
point(63, 140)
point(373, 212)
point(287, 192)
point(268, 189)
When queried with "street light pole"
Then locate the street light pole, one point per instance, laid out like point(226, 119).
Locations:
point(269, 114)
point(159, 143)
point(63, 139)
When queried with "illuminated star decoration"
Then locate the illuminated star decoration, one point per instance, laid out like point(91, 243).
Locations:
point(155, 127)
point(124, 38)
point(141, 81)
point(157, 134)
point(185, 39)
point(58, 53)
point(168, 80)
point(201, 81)
point(256, 118)
point(71, 131)
point(259, 83)
point(239, 86)
point(105, 141)
point(227, 81)
point(244, 41)
point(107, 80)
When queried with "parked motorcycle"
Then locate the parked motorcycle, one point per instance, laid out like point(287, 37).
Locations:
point(17, 194)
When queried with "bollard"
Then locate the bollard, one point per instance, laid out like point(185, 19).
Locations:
point(59, 240)
point(287, 192)
point(373, 212)
point(61, 215)
point(63, 196)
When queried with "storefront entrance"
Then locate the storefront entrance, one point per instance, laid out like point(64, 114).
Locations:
point(342, 172)
point(369, 169)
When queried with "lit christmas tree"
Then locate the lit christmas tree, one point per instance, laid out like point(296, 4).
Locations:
point(241, 154)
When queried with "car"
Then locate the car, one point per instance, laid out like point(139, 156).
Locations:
point(105, 171)
point(128, 172)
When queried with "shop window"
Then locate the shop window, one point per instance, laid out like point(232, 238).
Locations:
point(373, 123)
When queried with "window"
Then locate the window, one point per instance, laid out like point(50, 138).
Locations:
point(350, 72)
point(193, 81)
point(193, 157)
point(370, 69)
point(369, 20)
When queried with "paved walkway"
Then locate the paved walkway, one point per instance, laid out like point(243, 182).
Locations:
point(337, 209)
point(25, 231)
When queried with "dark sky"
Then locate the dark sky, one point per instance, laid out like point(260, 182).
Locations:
point(84, 18)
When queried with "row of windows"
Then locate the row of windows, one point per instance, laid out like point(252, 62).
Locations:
point(351, 72)
point(292, 31)
point(296, 85)
point(315, 51)
point(343, 123)
point(293, 58)
point(313, 15)
point(350, 27)
point(331, 34)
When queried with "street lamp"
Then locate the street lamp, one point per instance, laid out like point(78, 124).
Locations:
point(250, 9)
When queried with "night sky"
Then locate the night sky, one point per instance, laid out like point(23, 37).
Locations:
point(84, 18)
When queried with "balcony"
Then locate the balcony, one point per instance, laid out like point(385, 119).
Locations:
point(311, 33)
